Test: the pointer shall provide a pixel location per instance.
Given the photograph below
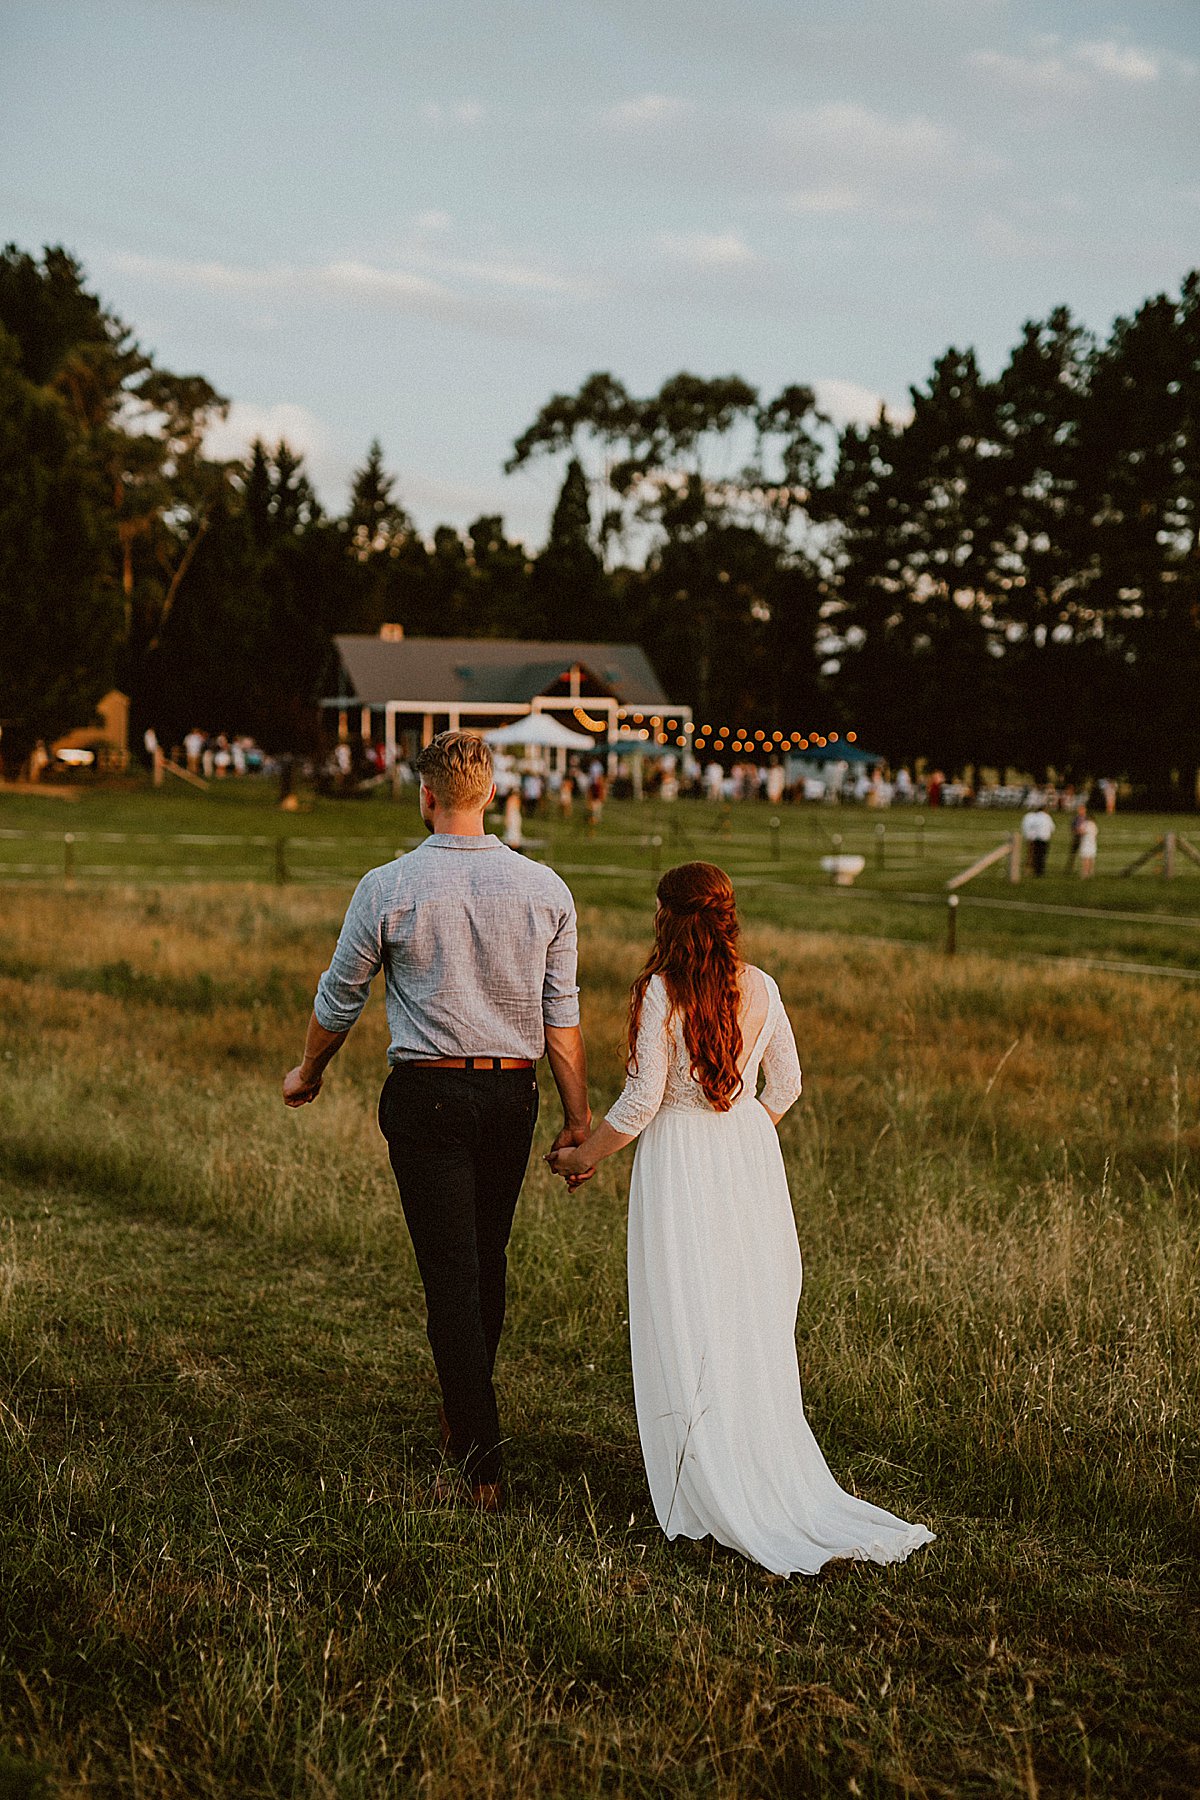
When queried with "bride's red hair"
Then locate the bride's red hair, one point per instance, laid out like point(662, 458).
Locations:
point(696, 953)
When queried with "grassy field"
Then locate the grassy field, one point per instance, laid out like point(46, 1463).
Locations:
point(223, 1573)
point(234, 833)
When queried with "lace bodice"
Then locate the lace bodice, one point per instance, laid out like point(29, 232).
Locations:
point(664, 1076)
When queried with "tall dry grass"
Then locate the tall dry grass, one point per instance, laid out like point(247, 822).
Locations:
point(222, 1570)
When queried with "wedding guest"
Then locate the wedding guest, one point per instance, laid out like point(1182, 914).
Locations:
point(1037, 828)
point(1088, 834)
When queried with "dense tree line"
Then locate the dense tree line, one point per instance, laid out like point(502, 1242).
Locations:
point(1010, 574)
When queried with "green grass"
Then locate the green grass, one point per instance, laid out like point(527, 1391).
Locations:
point(222, 1567)
point(232, 833)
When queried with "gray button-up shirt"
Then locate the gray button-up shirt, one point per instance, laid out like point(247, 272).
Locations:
point(478, 946)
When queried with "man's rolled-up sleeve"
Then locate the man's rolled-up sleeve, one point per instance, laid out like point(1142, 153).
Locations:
point(560, 988)
point(343, 988)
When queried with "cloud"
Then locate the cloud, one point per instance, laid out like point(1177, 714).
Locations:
point(1052, 66)
point(178, 272)
point(1041, 73)
point(869, 139)
point(849, 403)
point(843, 157)
point(433, 221)
point(646, 109)
point(1124, 61)
point(462, 112)
point(229, 440)
point(363, 281)
point(232, 436)
point(436, 291)
point(832, 197)
point(530, 277)
point(707, 250)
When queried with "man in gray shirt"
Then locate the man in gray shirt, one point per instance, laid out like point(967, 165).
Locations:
point(478, 949)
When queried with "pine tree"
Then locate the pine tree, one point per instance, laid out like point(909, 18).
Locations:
point(570, 596)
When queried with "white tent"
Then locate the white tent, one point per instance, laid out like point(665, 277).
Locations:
point(540, 730)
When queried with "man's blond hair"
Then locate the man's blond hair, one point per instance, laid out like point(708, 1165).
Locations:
point(457, 768)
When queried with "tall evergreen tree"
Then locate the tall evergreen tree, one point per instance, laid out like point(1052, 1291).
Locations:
point(380, 545)
point(138, 432)
point(60, 616)
point(570, 595)
point(1141, 441)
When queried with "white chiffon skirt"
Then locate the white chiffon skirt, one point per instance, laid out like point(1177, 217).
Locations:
point(714, 1284)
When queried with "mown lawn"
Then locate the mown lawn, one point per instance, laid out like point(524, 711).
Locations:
point(222, 1569)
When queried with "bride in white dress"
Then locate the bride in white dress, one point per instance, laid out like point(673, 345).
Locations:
point(714, 1263)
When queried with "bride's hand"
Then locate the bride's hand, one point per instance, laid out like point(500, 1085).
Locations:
point(568, 1163)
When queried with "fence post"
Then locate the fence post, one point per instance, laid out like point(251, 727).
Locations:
point(775, 852)
point(69, 858)
point(1168, 866)
point(952, 925)
point(1014, 857)
point(281, 866)
point(880, 845)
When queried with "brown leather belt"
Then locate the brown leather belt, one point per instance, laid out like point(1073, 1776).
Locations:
point(473, 1062)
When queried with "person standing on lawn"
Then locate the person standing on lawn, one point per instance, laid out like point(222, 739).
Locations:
point(1037, 828)
point(478, 949)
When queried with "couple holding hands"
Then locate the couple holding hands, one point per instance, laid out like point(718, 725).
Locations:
point(478, 949)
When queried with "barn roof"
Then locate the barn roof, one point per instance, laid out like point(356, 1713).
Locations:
point(462, 671)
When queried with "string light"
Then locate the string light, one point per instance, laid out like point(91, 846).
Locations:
point(742, 741)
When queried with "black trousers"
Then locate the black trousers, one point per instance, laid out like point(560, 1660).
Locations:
point(458, 1141)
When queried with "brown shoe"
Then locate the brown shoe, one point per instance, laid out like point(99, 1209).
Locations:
point(487, 1496)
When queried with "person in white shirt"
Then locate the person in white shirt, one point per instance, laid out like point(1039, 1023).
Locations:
point(1037, 828)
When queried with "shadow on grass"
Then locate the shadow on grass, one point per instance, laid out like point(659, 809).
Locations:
point(197, 995)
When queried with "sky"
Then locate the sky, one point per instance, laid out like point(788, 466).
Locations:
point(416, 221)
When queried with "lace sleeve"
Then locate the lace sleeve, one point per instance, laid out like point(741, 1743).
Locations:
point(780, 1062)
point(642, 1094)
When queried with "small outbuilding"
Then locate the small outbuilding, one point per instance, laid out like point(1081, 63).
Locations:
point(105, 741)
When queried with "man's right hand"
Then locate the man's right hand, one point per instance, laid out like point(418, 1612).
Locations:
point(299, 1088)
